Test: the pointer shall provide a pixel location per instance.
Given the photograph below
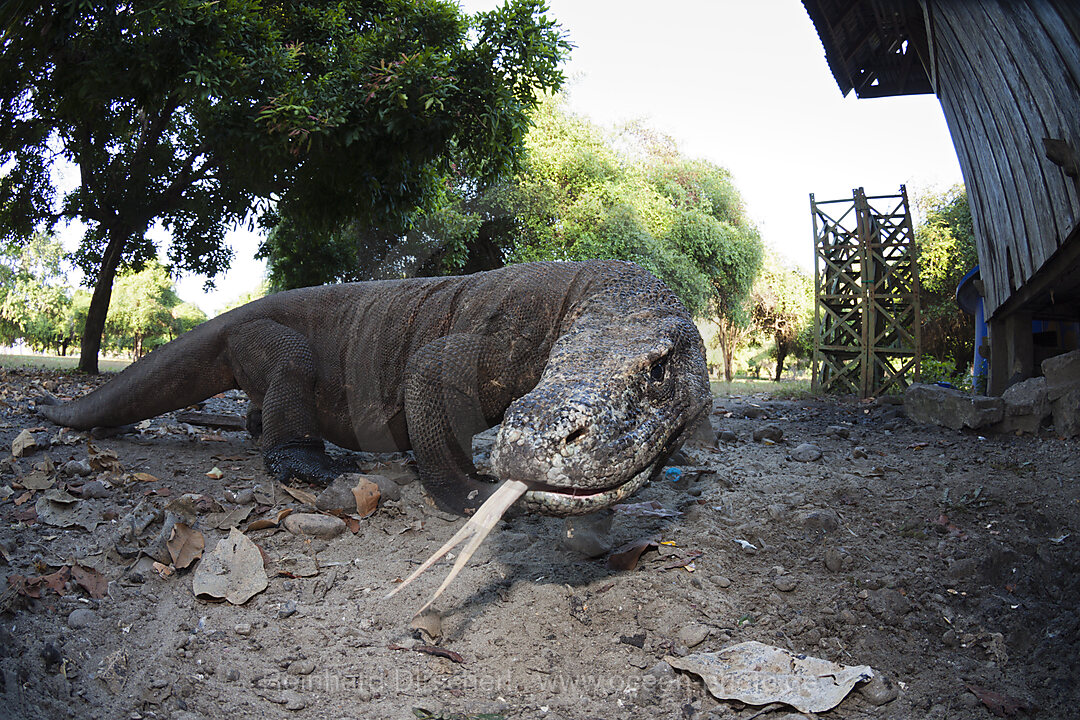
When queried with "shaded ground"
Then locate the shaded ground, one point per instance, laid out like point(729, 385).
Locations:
point(941, 559)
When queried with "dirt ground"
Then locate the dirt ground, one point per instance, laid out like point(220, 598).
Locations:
point(944, 560)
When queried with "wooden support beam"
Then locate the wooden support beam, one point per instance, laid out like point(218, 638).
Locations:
point(1012, 351)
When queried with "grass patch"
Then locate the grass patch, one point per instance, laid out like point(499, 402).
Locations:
point(785, 389)
point(55, 362)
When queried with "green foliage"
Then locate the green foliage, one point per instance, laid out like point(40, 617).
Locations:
point(146, 312)
point(783, 309)
point(191, 113)
point(933, 370)
point(946, 246)
point(34, 303)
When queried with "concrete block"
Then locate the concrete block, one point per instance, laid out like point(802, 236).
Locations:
point(949, 407)
point(1027, 398)
point(1062, 374)
point(1067, 413)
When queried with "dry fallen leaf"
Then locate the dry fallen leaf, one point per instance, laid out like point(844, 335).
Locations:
point(626, 557)
point(102, 459)
point(163, 570)
point(302, 495)
point(997, 703)
point(367, 496)
point(264, 523)
point(90, 580)
point(22, 443)
point(144, 477)
point(185, 545)
point(215, 473)
point(233, 571)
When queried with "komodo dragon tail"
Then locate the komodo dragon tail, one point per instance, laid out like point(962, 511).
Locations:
point(191, 368)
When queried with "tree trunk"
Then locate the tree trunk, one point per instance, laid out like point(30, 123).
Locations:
point(99, 302)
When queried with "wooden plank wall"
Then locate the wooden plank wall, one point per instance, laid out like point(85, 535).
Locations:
point(1008, 75)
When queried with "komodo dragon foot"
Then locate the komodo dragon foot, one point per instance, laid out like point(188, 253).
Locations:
point(305, 460)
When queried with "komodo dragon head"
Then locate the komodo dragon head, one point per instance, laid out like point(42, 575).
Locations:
point(610, 408)
point(618, 390)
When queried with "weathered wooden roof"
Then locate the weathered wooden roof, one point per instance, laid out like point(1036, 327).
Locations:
point(875, 47)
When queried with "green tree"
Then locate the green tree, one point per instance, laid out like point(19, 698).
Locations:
point(783, 308)
point(190, 114)
point(946, 245)
point(142, 314)
point(33, 298)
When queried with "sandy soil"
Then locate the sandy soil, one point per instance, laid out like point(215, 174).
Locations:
point(946, 561)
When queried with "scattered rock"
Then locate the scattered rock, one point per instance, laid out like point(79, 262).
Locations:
point(320, 526)
point(338, 495)
point(80, 618)
point(826, 521)
point(301, 667)
point(293, 700)
point(728, 436)
point(834, 560)
point(755, 413)
point(807, 452)
point(692, 634)
point(722, 581)
point(888, 605)
point(785, 583)
point(838, 431)
point(94, 489)
point(768, 432)
point(388, 489)
point(80, 468)
point(880, 690)
point(243, 629)
point(859, 453)
point(287, 610)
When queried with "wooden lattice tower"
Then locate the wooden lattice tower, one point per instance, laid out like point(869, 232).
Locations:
point(866, 315)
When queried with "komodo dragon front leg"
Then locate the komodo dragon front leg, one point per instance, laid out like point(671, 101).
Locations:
point(452, 392)
point(276, 367)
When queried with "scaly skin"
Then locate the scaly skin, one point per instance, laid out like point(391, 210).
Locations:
point(594, 369)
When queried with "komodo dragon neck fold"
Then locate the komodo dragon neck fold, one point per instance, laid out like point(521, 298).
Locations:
point(594, 370)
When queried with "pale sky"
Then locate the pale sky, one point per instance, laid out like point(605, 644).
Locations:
point(742, 84)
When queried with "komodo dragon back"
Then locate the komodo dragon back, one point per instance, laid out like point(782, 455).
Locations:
point(594, 370)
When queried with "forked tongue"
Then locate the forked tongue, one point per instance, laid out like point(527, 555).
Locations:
point(478, 527)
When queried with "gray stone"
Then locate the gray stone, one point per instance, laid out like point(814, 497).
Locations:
point(754, 413)
point(824, 520)
point(807, 452)
point(80, 618)
point(834, 560)
point(589, 535)
point(728, 437)
point(722, 581)
point(838, 431)
point(388, 489)
point(94, 489)
point(768, 432)
point(1067, 413)
point(1062, 374)
point(938, 405)
point(880, 690)
point(338, 494)
point(692, 634)
point(888, 605)
point(77, 467)
point(301, 667)
point(1027, 398)
point(785, 583)
point(320, 526)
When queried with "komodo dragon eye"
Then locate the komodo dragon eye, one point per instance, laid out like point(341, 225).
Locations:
point(656, 372)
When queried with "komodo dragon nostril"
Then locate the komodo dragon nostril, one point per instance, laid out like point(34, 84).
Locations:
point(576, 435)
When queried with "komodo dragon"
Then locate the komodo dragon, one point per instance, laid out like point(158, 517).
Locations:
point(594, 369)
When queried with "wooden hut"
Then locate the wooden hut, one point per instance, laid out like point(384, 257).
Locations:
point(1007, 73)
